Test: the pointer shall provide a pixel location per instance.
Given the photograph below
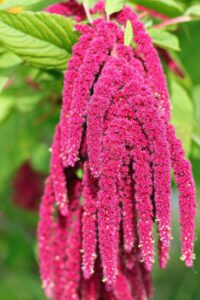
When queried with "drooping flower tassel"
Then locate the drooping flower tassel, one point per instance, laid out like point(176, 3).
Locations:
point(89, 222)
point(73, 245)
point(114, 125)
point(94, 60)
point(147, 53)
point(58, 177)
point(45, 238)
point(187, 203)
point(126, 191)
point(59, 255)
point(149, 117)
point(70, 76)
point(155, 78)
point(108, 82)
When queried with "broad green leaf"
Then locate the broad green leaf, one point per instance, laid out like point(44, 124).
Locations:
point(128, 34)
point(182, 114)
point(114, 6)
point(193, 11)
point(166, 7)
point(41, 39)
point(164, 39)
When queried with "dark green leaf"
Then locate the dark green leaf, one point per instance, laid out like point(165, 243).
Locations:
point(166, 7)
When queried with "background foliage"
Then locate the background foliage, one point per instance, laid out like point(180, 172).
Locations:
point(34, 50)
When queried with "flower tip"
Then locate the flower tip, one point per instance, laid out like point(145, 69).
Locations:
point(149, 265)
point(189, 263)
point(64, 211)
point(163, 263)
point(87, 273)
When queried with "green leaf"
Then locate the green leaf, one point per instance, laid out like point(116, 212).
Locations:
point(41, 158)
point(20, 135)
point(89, 3)
point(196, 99)
point(164, 39)
point(41, 39)
point(128, 34)
point(79, 173)
point(13, 3)
point(182, 114)
point(166, 7)
point(193, 11)
point(5, 73)
point(6, 104)
point(3, 81)
point(114, 6)
point(9, 59)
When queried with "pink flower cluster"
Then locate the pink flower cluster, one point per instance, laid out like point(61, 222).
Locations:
point(95, 235)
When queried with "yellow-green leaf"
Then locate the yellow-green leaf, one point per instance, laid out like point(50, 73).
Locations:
point(114, 6)
point(41, 39)
point(164, 39)
point(128, 34)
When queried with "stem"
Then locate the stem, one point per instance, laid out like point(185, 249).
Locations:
point(107, 17)
point(177, 20)
point(87, 11)
point(142, 15)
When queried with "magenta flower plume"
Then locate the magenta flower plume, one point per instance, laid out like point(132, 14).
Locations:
point(185, 182)
point(68, 9)
point(89, 222)
point(95, 234)
point(45, 232)
point(58, 175)
point(74, 64)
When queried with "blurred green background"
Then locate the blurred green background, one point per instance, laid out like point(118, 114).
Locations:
point(29, 110)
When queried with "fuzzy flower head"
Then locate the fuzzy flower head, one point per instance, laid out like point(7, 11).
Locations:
point(95, 234)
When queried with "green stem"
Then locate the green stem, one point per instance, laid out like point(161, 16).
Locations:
point(142, 15)
point(87, 11)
